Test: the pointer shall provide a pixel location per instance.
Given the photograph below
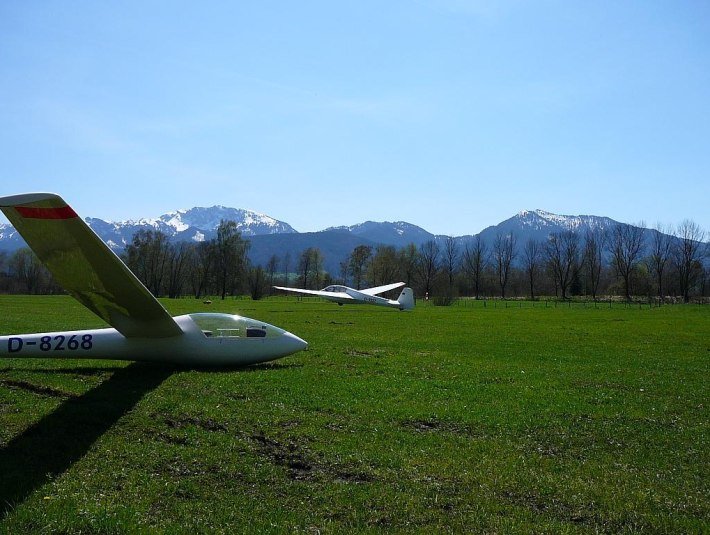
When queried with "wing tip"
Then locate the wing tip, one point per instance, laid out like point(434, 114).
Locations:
point(28, 198)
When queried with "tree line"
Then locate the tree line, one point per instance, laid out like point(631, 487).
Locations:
point(624, 260)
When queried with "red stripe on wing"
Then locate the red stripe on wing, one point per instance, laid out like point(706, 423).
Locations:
point(64, 212)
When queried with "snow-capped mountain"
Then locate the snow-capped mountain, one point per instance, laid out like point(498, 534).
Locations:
point(539, 224)
point(270, 237)
point(248, 223)
point(398, 233)
point(9, 238)
point(541, 220)
point(195, 224)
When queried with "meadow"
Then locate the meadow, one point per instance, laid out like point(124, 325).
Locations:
point(498, 419)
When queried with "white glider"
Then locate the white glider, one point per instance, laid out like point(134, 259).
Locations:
point(345, 295)
point(142, 329)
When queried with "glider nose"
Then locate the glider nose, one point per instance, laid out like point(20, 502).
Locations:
point(293, 342)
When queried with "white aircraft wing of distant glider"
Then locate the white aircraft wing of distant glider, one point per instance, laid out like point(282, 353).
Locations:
point(142, 329)
point(344, 295)
point(382, 289)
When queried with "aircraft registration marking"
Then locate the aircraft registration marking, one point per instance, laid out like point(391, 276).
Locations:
point(52, 343)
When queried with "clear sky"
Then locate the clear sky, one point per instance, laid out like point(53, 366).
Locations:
point(449, 114)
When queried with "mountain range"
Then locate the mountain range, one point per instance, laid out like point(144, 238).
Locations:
point(269, 236)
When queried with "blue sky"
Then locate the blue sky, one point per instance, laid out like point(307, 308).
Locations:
point(451, 114)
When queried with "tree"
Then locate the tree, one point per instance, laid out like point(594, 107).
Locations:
point(310, 266)
point(504, 252)
point(257, 282)
point(231, 256)
point(177, 265)
point(687, 255)
point(357, 262)
point(286, 266)
point(562, 251)
point(147, 257)
point(661, 249)
point(451, 262)
point(271, 267)
point(384, 267)
point(532, 253)
point(594, 244)
point(201, 267)
point(626, 246)
point(475, 260)
point(28, 269)
point(408, 258)
point(428, 265)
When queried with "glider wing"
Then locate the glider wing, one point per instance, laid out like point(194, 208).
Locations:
point(86, 267)
point(381, 289)
point(319, 293)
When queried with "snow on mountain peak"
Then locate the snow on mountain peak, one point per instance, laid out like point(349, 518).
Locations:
point(537, 219)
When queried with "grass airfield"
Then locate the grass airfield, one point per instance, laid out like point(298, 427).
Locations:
point(447, 419)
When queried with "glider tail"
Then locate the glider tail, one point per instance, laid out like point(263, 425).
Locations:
point(406, 299)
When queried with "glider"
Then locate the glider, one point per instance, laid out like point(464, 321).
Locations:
point(141, 328)
point(343, 294)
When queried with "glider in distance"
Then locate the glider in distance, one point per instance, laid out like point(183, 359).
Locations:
point(345, 295)
point(141, 328)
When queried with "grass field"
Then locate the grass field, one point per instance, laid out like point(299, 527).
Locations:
point(446, 419)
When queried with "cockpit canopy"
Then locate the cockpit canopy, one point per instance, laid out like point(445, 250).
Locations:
point(335, 288)
point(231, 326)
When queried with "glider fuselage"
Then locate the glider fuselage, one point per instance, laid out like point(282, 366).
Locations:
point(358, 298)
point(241, 341)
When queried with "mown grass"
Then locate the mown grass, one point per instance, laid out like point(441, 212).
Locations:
point(510, 420)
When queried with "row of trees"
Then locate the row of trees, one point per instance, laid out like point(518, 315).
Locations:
point(623, 260)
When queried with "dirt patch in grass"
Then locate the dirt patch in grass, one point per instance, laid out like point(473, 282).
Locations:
point(302, 464)
point(434, 425)
point(377, 353)
point(42, 390)
point(208, 424)
point(552, 506)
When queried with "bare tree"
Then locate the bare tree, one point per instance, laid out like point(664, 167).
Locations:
point(344, 270)
point(304, 267)
point(451, 262)
point(384, 267)
point(27, 269)
point(626, 248)
point(407, 258)
point(257, 282)
point(661, 249)
point(504, 252)
point(562, 251)
point(532, 254)
point(310, 266)
point(231, 261)
point(177, 266)
point(147, 257)
point(357, 263)
point(271, 266)
point(475, 260)
point(286, 266)
point(201, 267)
point(593, 258)
point(687, 255)
point(428, 265)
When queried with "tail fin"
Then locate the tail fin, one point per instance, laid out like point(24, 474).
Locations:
point(406, 299)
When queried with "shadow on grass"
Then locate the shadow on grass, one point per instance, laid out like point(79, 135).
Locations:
point(52, 445)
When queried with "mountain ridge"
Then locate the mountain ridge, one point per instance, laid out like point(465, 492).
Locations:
point(270, 236)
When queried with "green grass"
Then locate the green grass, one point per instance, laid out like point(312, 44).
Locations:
point(463, 418)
